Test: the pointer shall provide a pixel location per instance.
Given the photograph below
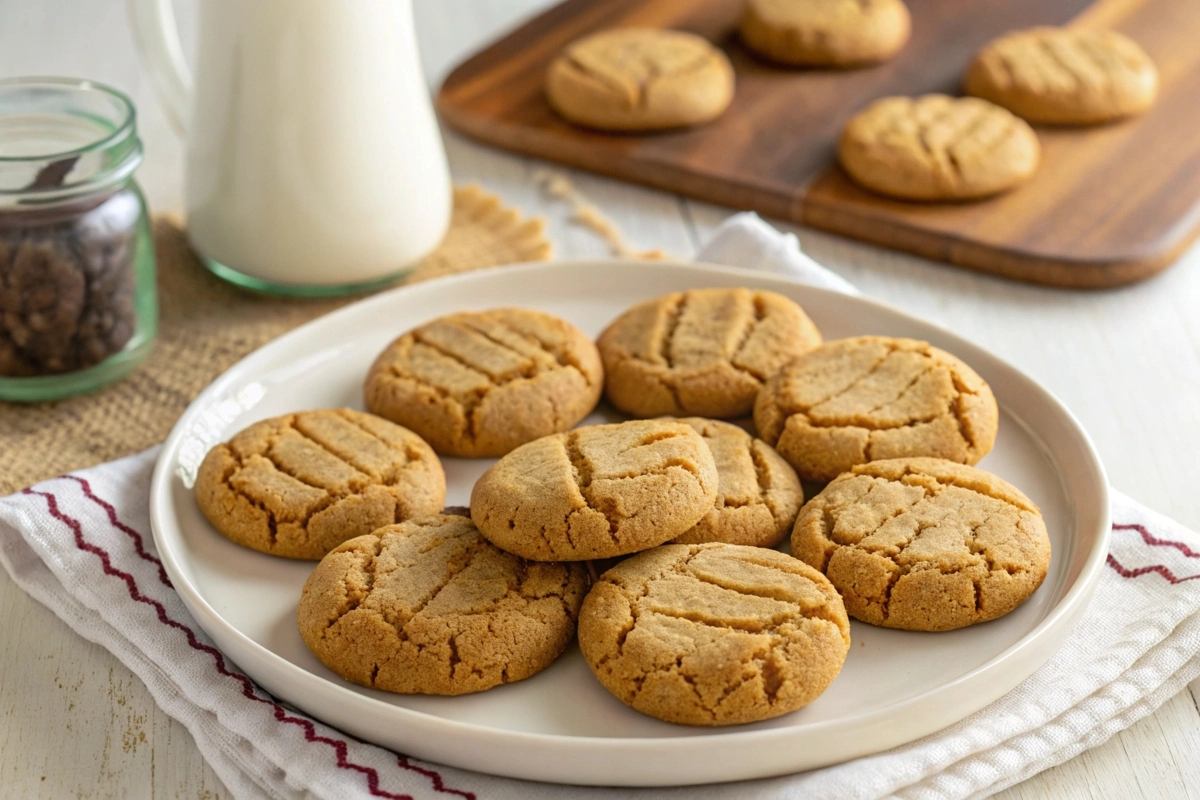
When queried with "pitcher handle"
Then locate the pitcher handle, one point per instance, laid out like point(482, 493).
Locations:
point(157, 38)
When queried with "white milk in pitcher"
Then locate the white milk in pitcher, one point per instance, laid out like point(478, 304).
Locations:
point(314, 158)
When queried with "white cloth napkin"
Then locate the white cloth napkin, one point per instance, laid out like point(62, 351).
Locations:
point(746, 240)
point(81, 545)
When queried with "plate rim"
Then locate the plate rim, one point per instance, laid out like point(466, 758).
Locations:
point(1070, 604)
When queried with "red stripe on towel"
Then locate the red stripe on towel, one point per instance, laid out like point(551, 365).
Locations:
point(1153, 540)
point(138, 542)
point(1158, 569)
point(340, 747)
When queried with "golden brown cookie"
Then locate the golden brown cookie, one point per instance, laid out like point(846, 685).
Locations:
point(826, 33)
point(480, 383)
point(714, 634)
point(299, 485)
point(1065, 76)
point(705, 352)
point(640, 79)
point(924, 544)
point(937, 147)
point(597, 492)
point(758, 493)
point(430, 607)
point(874, 397)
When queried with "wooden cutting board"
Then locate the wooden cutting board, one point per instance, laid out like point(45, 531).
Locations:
point(1109, 205)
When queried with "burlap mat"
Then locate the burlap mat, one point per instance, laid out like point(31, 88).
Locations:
point(205, 326)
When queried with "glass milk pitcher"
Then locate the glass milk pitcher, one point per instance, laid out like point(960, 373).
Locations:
point(314, 162)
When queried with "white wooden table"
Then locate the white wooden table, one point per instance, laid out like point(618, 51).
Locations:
point(75, 723)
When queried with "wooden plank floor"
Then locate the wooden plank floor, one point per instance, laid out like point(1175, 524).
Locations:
point(75, 723)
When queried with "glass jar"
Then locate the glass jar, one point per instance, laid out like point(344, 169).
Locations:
point(77, 300)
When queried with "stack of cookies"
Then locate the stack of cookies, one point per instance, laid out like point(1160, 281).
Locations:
point(653, 540)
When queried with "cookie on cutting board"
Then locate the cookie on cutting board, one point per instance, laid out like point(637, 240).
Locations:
point(826, 33)
point(937, 147)
point(1065, 76)
point(640, 79)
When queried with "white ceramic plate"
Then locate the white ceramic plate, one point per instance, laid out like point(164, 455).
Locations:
point(561, 725)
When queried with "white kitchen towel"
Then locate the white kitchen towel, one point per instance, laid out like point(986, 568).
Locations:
point(747, 240)
point(81, 545)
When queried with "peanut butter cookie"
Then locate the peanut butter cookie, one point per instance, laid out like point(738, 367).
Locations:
point(299, 485)
point(873, 397)
point(758, 493)
point(924, 544)
point(1065, 76)
point(597, 492)
point(430, 607)
point(479, 384)
point(826, 33)
point(640, 79)
point(714, 634)
point(938, 148)
point(705, 352)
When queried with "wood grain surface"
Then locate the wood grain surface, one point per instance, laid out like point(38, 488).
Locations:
point(1109, 204)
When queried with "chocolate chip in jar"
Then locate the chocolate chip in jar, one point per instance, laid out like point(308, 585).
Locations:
point(66, 295)
point(78, 306)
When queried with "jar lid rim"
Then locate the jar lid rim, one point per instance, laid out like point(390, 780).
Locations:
point(121, 130)
point(63, 138)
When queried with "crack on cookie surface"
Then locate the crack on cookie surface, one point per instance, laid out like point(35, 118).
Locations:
point(869, 398)
point(658, 599)
point(737, 360)
point(602, 77)
point(596, 492)
point(1059, 61)
point(485, 617)
point(705, 351)
point(466, 381)
point(629, 66)
point(355, 595)
point(665, 345)
point(900, 392)
point(948, 474)
point(758, 493)
point(580, 466)
point(936, 126)
point(354, 454)
point(841, 390)
point(1065, 75)
point(401, 619)
point(937, 147)
point(582, 472)
point(525, 371)
point(856, 418)
point(762, 478)
point(921, 532)
point(291, 469)
point(467, 402)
